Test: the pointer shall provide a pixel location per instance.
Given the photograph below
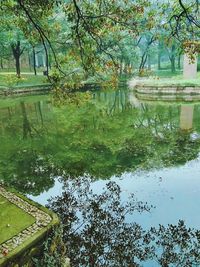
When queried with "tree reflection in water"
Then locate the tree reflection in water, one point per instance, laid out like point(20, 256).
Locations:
point(97, 233)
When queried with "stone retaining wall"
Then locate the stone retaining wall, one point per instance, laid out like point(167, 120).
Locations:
point(168, 97)
point(26, 90)
point(167, 90)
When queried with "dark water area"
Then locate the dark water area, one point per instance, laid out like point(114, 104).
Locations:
point(85, 162)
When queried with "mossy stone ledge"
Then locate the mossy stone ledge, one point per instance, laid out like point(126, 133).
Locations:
point(167, 90)
point(24, 225)
point(167, 93)
point(25, 90)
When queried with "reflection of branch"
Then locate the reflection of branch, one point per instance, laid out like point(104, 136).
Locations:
point(27, 128)
point(75, 230)
point(108, 239)
point(114, 104)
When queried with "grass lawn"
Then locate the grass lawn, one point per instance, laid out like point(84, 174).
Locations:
point(10, 80)
point(167, 73)
point(12, 220)
point(176, 80)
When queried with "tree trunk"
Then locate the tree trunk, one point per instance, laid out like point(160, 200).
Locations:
point(17, 65)
point(143, 62)
point(159, 55)
point(47, 61)
point(29, 61)
point(1, 62)
point(173, 58)
point(17, 52)
point(34, 62)
point(179, 61)
point(173, 67)
point(149, 62)
point(50, 60)
point(159, 61)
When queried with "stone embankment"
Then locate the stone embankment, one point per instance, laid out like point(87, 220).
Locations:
point(145, 90)
point(167, 90)
point(30, 238)
point(4, 91)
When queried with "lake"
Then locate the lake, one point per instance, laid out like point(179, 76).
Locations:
point(113, 146)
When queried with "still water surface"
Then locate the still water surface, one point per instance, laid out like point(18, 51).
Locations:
point(149, 149)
